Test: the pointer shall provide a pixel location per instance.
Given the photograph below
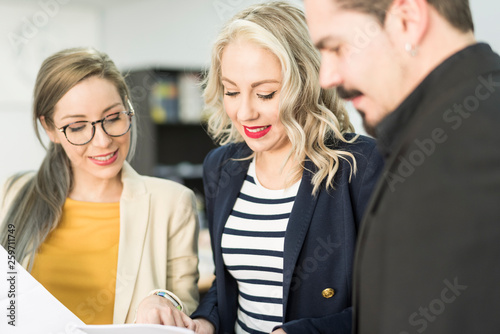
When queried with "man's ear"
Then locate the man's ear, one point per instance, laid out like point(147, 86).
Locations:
point(409, 19)
point(50, 132)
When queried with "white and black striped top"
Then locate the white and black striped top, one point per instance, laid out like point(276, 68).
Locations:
point(252, 249)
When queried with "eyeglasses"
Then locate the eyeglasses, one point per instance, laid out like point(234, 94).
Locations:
point(114, 125)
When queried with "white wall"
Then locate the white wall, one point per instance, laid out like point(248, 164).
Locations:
point(147, 33)
point(30, 32)
point(485, 16)
point(174, 33)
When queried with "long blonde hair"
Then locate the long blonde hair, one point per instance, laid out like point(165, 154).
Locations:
point(312, 116)
point(36, 209)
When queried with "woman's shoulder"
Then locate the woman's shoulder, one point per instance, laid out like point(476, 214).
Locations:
point(363, 149)
point(164, 186)
point(355, 143)
point(11, 188)
point(218, 156)
point(162, 191)
point(136, 183)
point(14, 183)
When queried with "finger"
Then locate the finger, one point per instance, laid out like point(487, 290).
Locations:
point(191, 326)
point(177, 315)
point(145, 317)
point(188, 322)
point(154, 317)
point(204, 326)
point(167, 316)
point(146, 312)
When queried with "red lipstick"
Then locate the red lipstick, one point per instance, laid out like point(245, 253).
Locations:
point(255, 132)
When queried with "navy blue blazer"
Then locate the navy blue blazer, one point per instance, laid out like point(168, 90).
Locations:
point(319, 240)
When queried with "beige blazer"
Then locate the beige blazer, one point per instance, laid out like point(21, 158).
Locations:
point(158, 242)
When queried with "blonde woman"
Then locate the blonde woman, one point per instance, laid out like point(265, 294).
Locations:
point(96, 234)
point(286, 190)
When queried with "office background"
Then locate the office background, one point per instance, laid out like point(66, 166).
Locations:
point(138, 35)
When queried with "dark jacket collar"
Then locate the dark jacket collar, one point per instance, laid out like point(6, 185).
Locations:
point(463, 65)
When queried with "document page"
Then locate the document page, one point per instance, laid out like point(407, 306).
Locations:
point(133, 329)
point(28, 308)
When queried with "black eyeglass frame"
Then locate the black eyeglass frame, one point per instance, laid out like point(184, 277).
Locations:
point(130, 113)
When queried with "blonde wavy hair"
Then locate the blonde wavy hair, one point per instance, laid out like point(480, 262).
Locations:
point(313, 117)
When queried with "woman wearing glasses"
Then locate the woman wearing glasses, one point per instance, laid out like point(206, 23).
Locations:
point(96, 234)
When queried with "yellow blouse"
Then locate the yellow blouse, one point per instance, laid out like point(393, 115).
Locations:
point(77, 262)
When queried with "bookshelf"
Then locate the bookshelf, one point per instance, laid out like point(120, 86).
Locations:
point(172, 140)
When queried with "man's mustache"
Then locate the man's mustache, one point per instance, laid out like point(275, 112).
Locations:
point(347, 94)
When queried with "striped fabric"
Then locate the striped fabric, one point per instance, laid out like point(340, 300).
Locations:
point(252, 248)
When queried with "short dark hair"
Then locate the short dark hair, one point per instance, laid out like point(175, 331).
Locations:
point(456, 12)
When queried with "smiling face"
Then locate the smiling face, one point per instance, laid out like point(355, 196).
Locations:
point(359, 57)
point(102, 158)
point(252, 81)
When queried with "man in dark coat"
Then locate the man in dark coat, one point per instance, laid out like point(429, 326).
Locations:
point(427, 253)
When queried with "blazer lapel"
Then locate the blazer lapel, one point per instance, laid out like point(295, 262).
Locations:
point(298, 225)
point(231, 179)
point(134, 216)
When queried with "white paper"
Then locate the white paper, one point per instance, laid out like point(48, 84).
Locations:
point(26, 307)
point(25, 303)
point(134, 329)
